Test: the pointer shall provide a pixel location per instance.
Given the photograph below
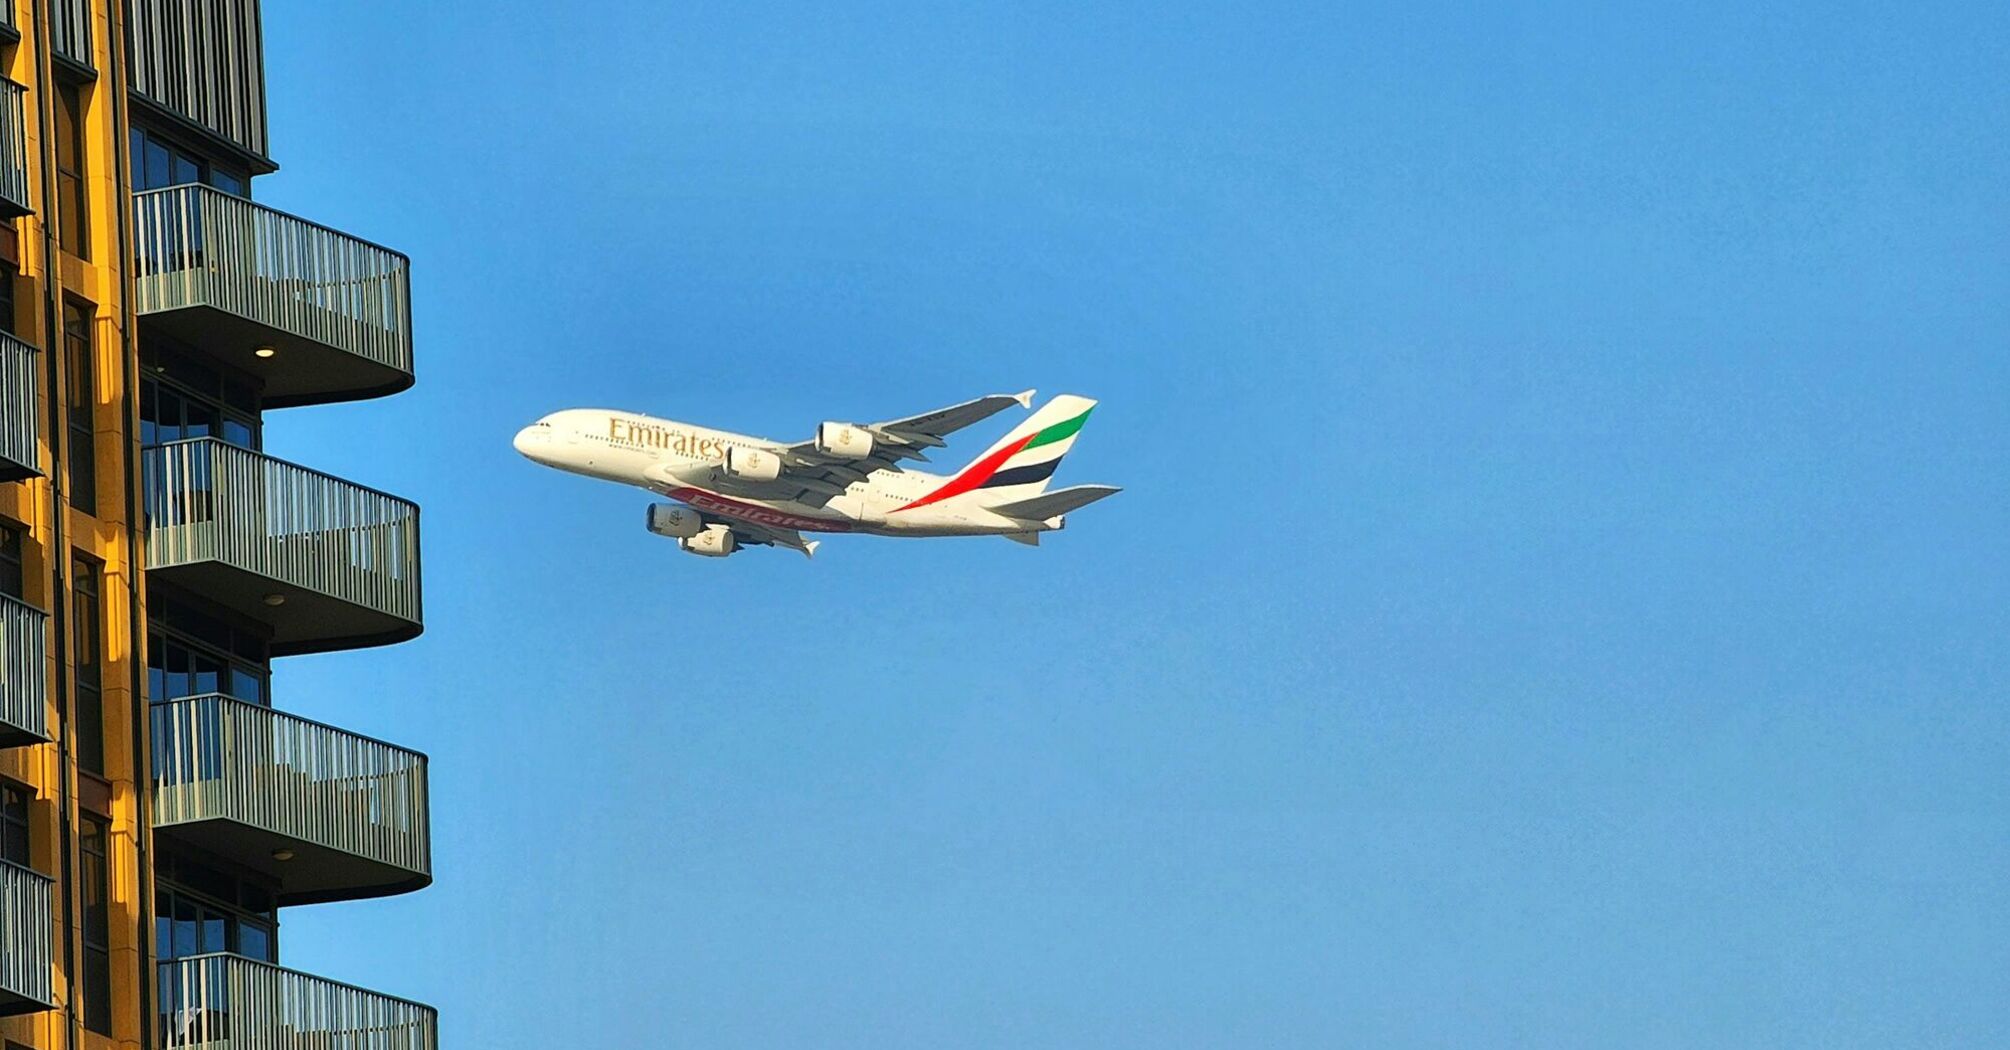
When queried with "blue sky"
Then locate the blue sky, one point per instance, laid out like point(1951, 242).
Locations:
point(1559, 596)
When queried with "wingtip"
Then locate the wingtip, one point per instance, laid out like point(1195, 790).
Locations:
point(810, 548)
point(1025, 398)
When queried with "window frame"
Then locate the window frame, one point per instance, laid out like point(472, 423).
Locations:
point(164, 641)
point(96, 962)
point(73, 222)
point(169, 895)
point(17, 828)
point(168, 372)
point(14, 560)
point(8, 298)
point(208, 171)
point(80, 363)
point(87, 679)
point(173, 620)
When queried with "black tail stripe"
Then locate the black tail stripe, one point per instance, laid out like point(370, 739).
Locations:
point(1023, 475)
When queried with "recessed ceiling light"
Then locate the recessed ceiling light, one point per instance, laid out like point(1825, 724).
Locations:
point(275, 600)
point(265, 351)
point(282, 855)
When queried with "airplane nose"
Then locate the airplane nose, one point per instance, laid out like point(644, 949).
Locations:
point(531, 440)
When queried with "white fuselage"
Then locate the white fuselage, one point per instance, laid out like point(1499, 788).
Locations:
point(686, 463)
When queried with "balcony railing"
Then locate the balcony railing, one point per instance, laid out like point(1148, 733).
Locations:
point(204, 62)
point(14, 199)
point(229, 276)
point(70, 31)
point(328, 564)
point(24, 657)
point(247, 782)
point(229, 1002)
point(19, 381)
point(25, 927)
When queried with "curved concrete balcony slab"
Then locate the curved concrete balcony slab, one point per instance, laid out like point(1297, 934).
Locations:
point(328, 813)
point(229, 277)
point(326, 563)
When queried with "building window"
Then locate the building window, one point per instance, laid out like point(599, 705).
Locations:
point(186, 924)
point(158, 163)
point(199, 909)
point(12, 577)
point(79, 358)
point(167, 414)
point(95, 874)
point(7, 276)
point(181, 399)
point(177, 669)
point(87, 628)
point(72, 229)
point(14, 824)
point(190, 654)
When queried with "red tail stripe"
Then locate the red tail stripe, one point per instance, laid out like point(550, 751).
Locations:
point(977, 474)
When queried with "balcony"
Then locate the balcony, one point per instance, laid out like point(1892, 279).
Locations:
point(14, 199)
point(250, 784)
point(229, 1002)
point(325, 563)
point(24, 656)
point(229, 277)
point(19, 427)
point(25, 928)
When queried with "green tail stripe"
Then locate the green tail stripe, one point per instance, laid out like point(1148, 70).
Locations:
point(1058, 432)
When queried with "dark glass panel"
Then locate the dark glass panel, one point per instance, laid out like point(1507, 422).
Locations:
point(157, 168)
point(185, 943)
point(246, 685)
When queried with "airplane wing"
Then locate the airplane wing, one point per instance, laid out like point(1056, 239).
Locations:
point(748, 534)
point(813, 477)
point(930, 428)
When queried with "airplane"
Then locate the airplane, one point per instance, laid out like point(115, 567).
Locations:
point(735, 491)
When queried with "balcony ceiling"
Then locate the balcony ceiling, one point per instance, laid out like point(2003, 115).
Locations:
point(306, 622)
point(301, 372)
point(315, 874)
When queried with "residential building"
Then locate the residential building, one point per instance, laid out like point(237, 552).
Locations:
point(159, 808)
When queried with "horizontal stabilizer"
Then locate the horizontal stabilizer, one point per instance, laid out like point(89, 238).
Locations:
point(1053, 504)
point(1030, 539)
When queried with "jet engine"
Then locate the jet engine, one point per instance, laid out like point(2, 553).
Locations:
point(752, 464)
point(673, 521)
point(844, 440)
point(715, 541)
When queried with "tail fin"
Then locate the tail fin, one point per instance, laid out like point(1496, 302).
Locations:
point(1023, 461)
point(1055, 504)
